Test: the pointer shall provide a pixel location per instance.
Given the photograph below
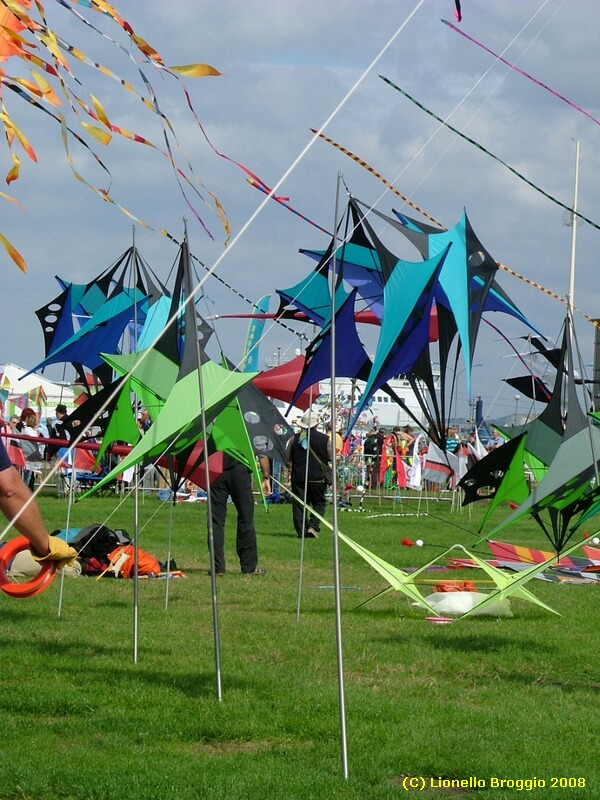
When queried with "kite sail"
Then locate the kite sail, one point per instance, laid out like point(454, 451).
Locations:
point(565, 440)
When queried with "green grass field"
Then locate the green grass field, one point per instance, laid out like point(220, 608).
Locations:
point(480, 700)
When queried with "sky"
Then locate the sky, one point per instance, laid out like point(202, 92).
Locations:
point(289, 67)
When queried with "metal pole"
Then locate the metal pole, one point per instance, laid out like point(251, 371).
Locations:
point(68, 523)
point(304, 514)
point(169, 542)
point(191, 331)
point(136, 501)
point(571, 295)
point(336, 557)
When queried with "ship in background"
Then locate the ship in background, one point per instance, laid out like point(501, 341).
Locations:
point(382, 410)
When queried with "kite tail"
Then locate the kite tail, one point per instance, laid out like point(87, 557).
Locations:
point(479, 146)
point(522, 72)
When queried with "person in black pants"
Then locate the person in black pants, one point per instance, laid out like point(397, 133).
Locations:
point(309, 441)
point(236, 482)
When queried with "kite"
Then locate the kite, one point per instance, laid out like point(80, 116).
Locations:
point(498, 477)
point(570, 447)
point(506, 585)
point(432, 219)
point(441, 300)
point(193, 398)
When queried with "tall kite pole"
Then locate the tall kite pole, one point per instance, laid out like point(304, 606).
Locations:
point(571, 303)
point(136, 478)
point(336, 554)
point(191, 330)
point(571, 295)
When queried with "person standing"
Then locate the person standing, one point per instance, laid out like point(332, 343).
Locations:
point(43, 430)
point(311, 444)
point(369, 454)
point(12, 447)
point(33, 458)
point(236, 482)
point(58, 430)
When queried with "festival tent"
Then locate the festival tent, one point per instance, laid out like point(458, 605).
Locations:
point(281, 382)
point(20, 387)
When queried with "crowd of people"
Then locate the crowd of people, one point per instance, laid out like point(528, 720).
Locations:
point(310, 455)
point(31, 458)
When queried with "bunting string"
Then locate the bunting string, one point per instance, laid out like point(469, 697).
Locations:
point(479, 146)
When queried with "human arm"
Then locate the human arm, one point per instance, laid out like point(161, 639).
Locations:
point(265, 467)
point(329, 450)
point(19, 507)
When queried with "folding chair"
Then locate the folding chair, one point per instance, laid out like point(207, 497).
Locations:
point(83, 477)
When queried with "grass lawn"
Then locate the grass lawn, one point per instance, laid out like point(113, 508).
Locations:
point(480, 701)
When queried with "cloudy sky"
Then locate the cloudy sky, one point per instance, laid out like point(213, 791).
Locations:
point(286, 68)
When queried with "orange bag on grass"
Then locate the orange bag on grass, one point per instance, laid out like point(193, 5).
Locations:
point(147, 564)
point(455, 586)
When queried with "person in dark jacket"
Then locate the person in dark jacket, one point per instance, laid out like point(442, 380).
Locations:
point(311, 444)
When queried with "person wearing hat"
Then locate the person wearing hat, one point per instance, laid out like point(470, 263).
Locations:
point(57, 430)
point(60, 428)
point(311, 444)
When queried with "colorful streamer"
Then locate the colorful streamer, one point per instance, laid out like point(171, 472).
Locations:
point(487, 152)
point(283, 202)
point(522, 72)
point(21, 36)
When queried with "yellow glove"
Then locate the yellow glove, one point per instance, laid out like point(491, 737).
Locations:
point(60, 552)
